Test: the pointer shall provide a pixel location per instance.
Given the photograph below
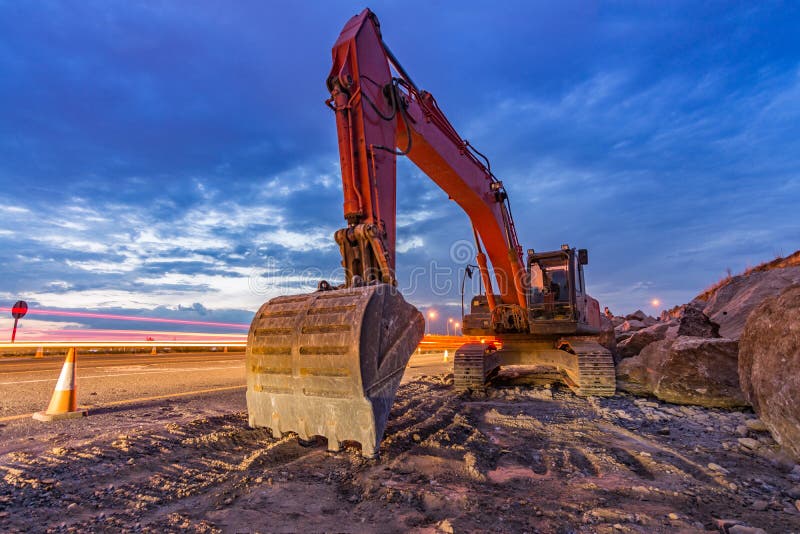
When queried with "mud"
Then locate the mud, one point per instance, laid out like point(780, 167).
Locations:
point(521, 459)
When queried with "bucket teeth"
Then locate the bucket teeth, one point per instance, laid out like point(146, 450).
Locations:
point(329, 363)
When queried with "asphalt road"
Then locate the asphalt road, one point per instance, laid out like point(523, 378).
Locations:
point(106, 379)
point(103, 380)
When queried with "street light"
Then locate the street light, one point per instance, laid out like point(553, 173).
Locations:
point(455, 328)
point(449, 322)
point(431, 315)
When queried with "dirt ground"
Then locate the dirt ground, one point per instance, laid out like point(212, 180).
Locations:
point(524, 458)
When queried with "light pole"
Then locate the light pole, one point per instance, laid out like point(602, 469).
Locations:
point(449, 322)
point(455, 328)
point(431, 315)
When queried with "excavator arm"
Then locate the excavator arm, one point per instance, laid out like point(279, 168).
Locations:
point(379, 117)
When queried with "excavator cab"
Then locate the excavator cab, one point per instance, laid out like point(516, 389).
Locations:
point(557, 299)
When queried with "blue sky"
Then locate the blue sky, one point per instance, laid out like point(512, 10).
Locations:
point(176, 158)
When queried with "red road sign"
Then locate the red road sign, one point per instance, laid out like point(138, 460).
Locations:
point(19, 309)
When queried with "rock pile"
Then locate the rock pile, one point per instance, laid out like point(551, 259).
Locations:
point(690, 355)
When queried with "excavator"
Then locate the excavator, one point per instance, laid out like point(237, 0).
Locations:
point(329, 363)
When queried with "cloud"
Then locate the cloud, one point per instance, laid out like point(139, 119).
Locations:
point(174, 160)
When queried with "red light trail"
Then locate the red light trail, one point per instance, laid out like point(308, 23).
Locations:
point(93, 315)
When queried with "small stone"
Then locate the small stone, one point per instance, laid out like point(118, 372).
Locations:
point(725, 525)
point(664, 431)
point(617, 526)
point(445, 526)
point(673, 516)
point(797, 504)
point(742, 529)
point(718, 468)
point(416, 437)
point(760, 505)
point(794, 492)
point(130, 461)
point(756, 425)
point(748, 443)
point(741, 431)
point(72, 506)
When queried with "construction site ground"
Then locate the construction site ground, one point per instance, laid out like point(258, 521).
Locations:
point(527, 457)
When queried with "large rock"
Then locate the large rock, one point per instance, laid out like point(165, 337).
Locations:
point(633, 345)
point(607, 336)
point(631, 325)
point(701, 371)
point(638, 315)
point(686, 370)
point(693, 322)
point(769, 366)
point(639, 375)
point(730, 305)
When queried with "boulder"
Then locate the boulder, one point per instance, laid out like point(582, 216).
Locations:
point(639, 374)
point(685, 370)
point(769, 366)
point(607, 336)
point(633, 345)
point(631, 325)
point(638, 315)
point(701, 371)
point(649, 321)
point(693, 322)
point(730, 305)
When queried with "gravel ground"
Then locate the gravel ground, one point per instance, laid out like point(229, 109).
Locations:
point(524, 458)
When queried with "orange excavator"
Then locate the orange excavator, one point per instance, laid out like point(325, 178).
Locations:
point(329, 363)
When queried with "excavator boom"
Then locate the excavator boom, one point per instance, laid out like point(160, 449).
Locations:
point(379, 117)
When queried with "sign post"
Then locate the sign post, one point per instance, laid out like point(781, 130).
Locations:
point(18, 311)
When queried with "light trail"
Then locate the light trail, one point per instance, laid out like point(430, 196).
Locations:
point(121, 335)
point(65, 344)
point(93, 315)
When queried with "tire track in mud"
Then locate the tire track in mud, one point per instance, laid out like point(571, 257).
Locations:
point(512, 460)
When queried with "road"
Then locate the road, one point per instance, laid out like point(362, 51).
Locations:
point(117, 379)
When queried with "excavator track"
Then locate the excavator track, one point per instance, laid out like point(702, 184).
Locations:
point(329, 363)
point(594, 375)
point(473, 365)
point(584, 365)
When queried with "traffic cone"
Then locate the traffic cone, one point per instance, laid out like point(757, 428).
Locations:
point(153, 352)
point(225, 349)
point(40, 352)
point(64, 403)
point(445, 354)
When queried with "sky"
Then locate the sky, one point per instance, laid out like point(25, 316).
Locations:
point(176, 159)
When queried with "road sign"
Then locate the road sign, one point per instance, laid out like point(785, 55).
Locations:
point(18, 311)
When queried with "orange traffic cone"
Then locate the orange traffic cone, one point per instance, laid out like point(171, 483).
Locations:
point(64, 403)
point(153, 352)
point(225, 349)
point(40, 352)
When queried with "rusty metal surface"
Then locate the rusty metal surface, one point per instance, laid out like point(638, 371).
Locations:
point(329, 363)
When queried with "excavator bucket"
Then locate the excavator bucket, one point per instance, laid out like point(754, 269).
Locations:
point(329, 363)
